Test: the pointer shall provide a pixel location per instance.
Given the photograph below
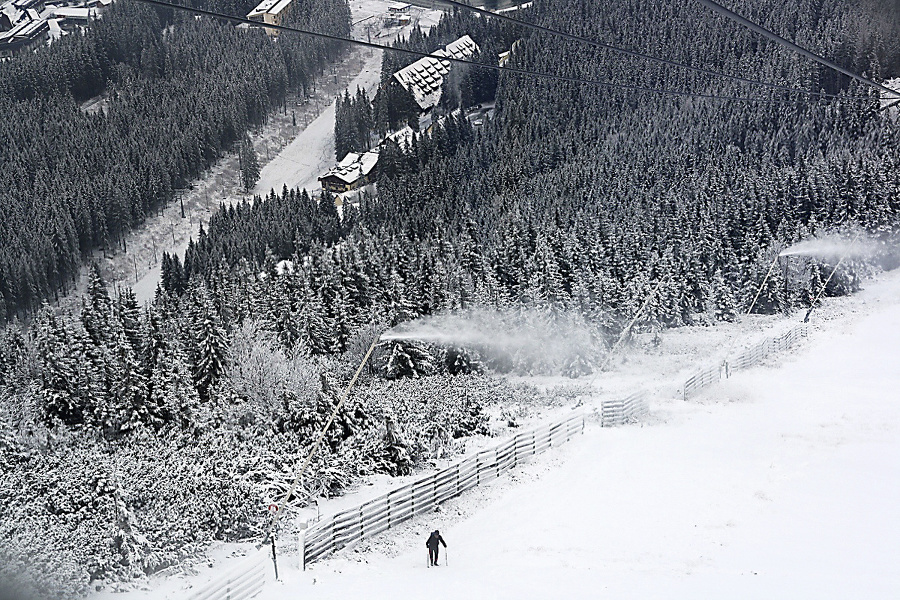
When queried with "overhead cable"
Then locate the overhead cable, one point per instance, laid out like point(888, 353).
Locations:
point(632, 53)
point(606, 84)
point(789, 44)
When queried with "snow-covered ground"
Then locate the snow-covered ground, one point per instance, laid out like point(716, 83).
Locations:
point(782, 482)
point(311, 154)
point(298, 164)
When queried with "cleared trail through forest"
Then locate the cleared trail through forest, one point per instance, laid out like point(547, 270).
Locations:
point(308, 155)
point(167, 231)
point(221, 185)
point(312, 152)
point(299, 164)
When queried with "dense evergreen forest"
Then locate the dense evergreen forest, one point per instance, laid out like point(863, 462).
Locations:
point(179, 92)
point(564, 210)
point(579, 199)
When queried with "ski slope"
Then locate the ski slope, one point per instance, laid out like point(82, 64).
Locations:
point(782, 483)
point(311, 153)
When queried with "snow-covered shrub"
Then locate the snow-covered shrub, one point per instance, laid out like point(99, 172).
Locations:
point(84, 510)
point(259, 374)
point(432, 411)
point(383, 449)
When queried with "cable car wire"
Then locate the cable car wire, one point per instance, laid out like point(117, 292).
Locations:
point(789, 44)
point(606, 84)
point(632, 53)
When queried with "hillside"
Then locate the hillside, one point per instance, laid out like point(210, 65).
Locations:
point(780, 483)
point(579, 227)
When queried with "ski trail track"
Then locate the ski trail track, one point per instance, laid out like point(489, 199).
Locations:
point(780, 483)
point(311, 153)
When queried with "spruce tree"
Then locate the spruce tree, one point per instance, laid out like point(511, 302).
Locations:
point(96, 309)
point(58, 370)
point(249, 164)
point(210, 343)
point(409, 358)
point(724, 304)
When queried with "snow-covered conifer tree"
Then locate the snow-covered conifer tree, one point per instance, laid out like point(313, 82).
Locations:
point(722, 297)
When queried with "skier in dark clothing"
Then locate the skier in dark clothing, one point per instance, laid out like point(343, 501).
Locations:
point(432, 544)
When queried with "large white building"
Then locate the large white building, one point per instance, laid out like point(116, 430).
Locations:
point(399, 8)
point(424, 77)
point(272, 12)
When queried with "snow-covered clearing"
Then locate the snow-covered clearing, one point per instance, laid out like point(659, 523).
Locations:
point(167, 231)
point(304, 152)
point(300, 164)
point(170, 233)
point(782, 482)
point(311, 153)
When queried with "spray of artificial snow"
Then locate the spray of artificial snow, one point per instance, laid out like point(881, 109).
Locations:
point(470, 329)
point(833, 246)
point(529, 340)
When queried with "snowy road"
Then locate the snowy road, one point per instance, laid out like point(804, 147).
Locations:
point(782, 483)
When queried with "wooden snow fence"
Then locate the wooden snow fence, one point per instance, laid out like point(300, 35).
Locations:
point(623, 410)
point(375, 516)
point(746, 359)
point(703, 379)
point(242, 582)
point(756, 354)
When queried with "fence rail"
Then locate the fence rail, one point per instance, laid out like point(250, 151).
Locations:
point(747, 358)
point(371, 518)
point(241, 582)
point(619, 412)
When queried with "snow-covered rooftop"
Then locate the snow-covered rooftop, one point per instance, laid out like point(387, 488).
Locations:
point(401, 137)
point(26, 28)
point(353, 167)
point(425, 76)
point(72, 12)
point(272, 7)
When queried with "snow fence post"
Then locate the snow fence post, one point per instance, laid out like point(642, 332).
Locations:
point(302, 525)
